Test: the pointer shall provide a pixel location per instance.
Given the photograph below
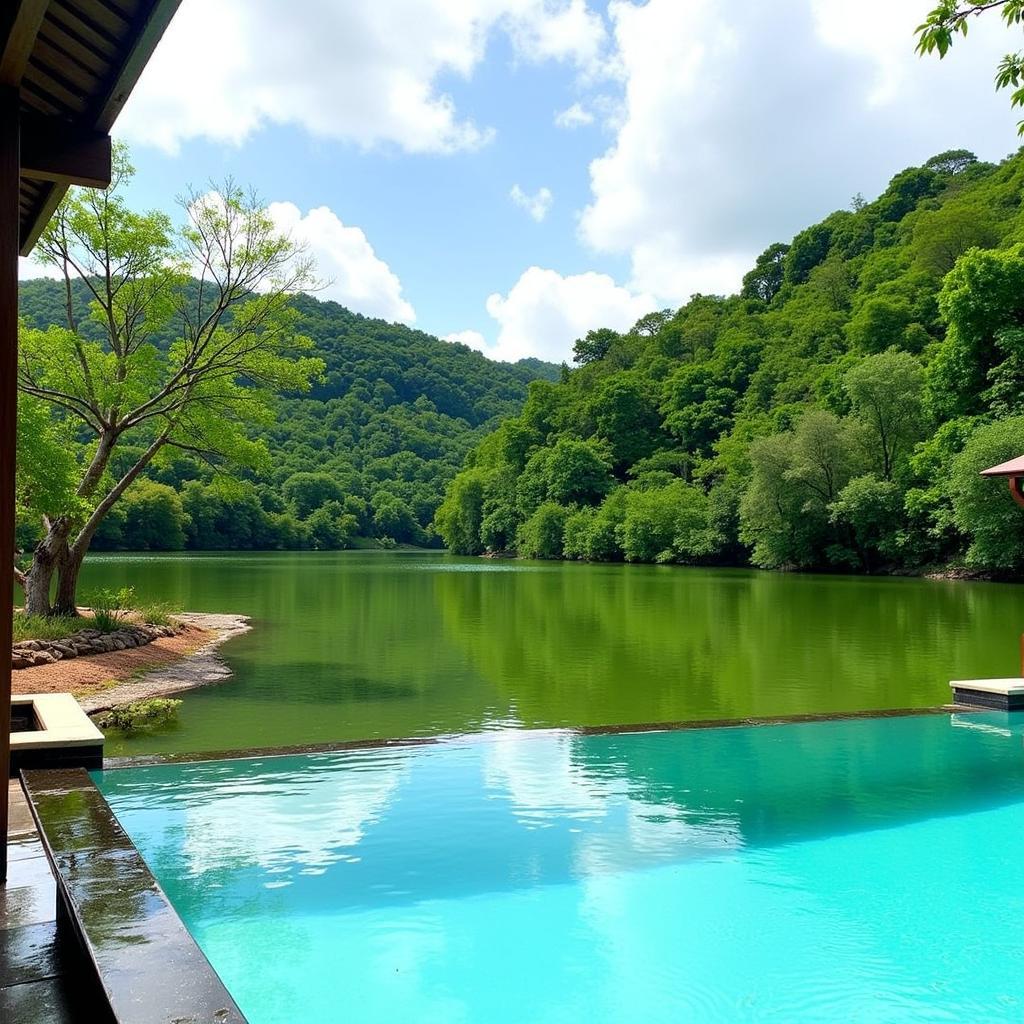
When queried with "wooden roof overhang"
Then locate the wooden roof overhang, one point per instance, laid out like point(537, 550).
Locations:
point(1013, 470)
point(66, 69)
point(74, 63)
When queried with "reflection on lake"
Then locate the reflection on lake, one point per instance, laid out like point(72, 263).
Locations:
point(357, 645)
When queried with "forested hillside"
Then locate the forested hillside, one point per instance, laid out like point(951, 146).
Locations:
point(368, 452)
point(833, 415)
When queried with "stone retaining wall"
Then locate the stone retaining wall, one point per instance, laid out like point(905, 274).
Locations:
point(86, 641)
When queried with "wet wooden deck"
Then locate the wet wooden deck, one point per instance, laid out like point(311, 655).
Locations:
point(39, 979)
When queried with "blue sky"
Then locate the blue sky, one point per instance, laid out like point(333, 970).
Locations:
point(713, 131)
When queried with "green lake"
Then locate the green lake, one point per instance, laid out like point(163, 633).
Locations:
point(355, 645)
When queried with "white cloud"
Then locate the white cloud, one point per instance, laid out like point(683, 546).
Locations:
point(366, 73)
point(545, 312)
point(575, 116)
point(353, 273)
point(29, 268)
point(472, 339)
point(742, 124)
point(536, 205)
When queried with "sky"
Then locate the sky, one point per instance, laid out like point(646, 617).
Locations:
point(512, 173)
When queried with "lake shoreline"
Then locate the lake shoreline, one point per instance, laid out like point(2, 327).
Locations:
point(185, 661)
point(199, 667)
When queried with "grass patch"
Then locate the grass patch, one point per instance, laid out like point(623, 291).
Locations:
point(41, 627)
point(158, 614)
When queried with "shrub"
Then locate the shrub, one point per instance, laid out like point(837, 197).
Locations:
point(140, 714)
point(542, 534)
point(110, 608)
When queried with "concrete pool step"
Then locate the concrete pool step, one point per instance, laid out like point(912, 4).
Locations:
point(999, 694)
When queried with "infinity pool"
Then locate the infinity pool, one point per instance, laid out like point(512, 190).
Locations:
point(851, 870)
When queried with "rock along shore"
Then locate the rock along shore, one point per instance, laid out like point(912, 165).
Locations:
point(30, 653)
point(198, 668)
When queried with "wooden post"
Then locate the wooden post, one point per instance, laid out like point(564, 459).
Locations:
point(10, 160)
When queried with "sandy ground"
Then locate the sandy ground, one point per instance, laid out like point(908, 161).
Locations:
point(168, 665)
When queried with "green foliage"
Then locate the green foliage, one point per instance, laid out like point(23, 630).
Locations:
point(45, 627)
point(306, 492)
point(814, 421)
point(460, 515)
point(951, 18)
point(387, 427)
point(110, 608)
point(984, 509)
point(47, 464)
point(157, 613)
point(541, 536)
point(768, 275)
point(871, 511)
point(887, 393)
point(140, 714)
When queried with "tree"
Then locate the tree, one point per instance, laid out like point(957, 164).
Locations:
point(951, 17)
point(697, 407)
point(541, 536)
point(331, 527)
point(871, 511)
point(234, 347)
point(306, 492)
point(667, 524)
point(942, 236)
point(459, 516)
point(981, 297)
point(153, 518)
point(594, 345)
point(808, 249)
point(779, 520)
point(578, 472)
point(768, 275)
point(983, 508)
point(879, 324)
point(951, 162)
point(46, 464)
point(887, 392)
point(905, 191)
point(626, 418)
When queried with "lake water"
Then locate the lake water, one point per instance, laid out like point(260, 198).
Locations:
point(358, 645)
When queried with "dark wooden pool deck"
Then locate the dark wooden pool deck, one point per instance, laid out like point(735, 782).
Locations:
point(40, 980)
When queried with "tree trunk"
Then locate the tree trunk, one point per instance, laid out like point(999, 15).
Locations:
point(68, 570)
point(48, 555)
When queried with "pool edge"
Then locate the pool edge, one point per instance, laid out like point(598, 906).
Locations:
point(149, 967)
point(377, 743)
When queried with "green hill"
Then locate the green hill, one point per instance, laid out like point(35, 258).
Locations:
point(368, 452)
point(833, 415)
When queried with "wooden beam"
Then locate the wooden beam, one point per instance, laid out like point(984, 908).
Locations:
point(9, 231)
point(149, 29)
point(21, 31)
point(53, 150)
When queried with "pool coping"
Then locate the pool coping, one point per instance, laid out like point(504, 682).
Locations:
point(150, 968)
point(377, 743)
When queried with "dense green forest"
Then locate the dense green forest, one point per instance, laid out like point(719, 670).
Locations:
point(366, 453)
point(833, 415)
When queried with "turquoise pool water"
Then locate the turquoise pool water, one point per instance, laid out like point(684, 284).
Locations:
point(854, 871)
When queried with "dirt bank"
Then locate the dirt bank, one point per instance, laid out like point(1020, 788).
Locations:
point(165, 666)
